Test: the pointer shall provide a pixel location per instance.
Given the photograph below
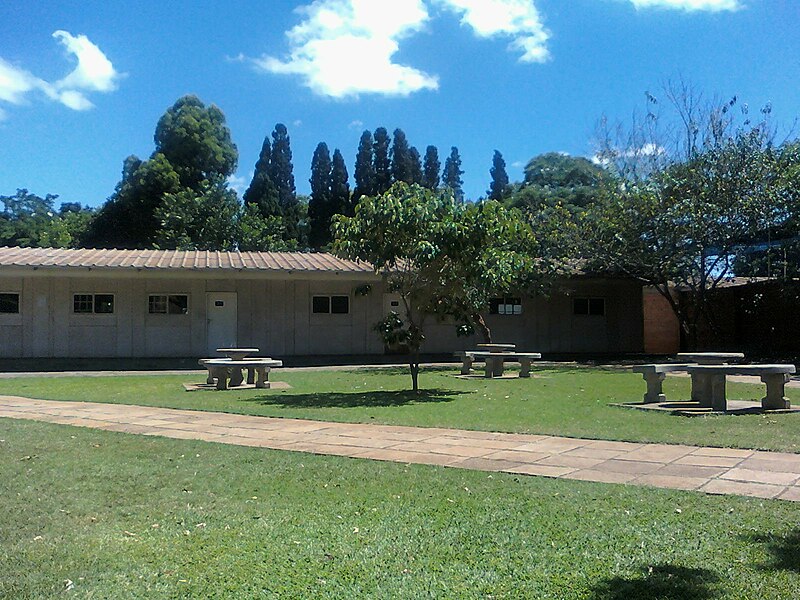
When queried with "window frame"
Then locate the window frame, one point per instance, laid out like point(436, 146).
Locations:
point(19, 303)
point(329, 304)
point(94, 304)
point(167, 304)
point(505, 306)
point(592, 302)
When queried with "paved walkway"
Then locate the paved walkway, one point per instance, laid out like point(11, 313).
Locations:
point(711, 470)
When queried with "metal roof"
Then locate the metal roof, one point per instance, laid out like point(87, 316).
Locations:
point(178, 260)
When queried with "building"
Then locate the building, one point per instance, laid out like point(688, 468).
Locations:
point(59, 303)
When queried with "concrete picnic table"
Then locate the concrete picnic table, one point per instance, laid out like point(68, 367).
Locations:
point(710, 358)
point(224, 369)
point(237, 353)
point(708, 383)
point(495, 356)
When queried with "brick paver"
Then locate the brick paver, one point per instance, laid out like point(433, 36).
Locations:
point(711, 470)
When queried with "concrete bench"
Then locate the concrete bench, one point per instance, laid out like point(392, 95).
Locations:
point(654, 376)
point(708, 383)
point(495, 361)
point(223, 369)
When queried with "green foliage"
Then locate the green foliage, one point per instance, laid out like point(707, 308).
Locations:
point(451, 175)
point(282, 176)
point(204, 221)
point(364, 174)
point(340, 188)
point(381, 163)
point(401, 158)
point(415, 162)
point(557, 179)
point(259, 233)
point(320, 206)
point(498, 188)
point(442, 257)
point(196, 141)
point(262, 192)
point(430, 170)
point(31, 221)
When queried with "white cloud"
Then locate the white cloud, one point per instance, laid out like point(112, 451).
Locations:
point(93, 73)
point(356, 124)
point(238, 183)
point(518, 19)
point(690, 5)
point(347, 47)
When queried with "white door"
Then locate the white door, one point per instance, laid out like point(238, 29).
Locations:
point(221, 318)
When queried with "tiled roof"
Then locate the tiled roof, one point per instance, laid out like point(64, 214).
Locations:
point(195, 260)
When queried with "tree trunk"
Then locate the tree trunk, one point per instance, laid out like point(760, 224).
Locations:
point(413, 363)
point(477, 318)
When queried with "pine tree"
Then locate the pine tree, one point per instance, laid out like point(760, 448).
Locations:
point(340, 189)
point(498, 188)
point(430, 174)
point(262, 193)
point(400, 157)
point(381, 164)
point(280, 171)
point(451, 176)
point(320, 206)
point(415, 165)
point(364, 173)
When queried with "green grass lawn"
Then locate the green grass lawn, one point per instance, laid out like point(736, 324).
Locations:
point(559, 401)
point(94, 514)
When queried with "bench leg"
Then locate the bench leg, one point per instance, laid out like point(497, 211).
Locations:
point(524, 367)
point(221, 375)
point(262, 381)
point(466, 365)
point(210, 378)
point(489, 367)
point(251, 375)
point(655, 388)
point(236, 376)
point(498, 366)
point(776, 383)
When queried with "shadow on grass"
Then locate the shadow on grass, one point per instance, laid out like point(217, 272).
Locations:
point(665, 582)
point(785, 550)
point(356, 399)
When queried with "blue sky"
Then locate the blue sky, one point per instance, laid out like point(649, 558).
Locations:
point(82, 84)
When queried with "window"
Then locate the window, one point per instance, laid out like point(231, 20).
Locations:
point(337, 305)
point(168, 304)
point(9, 303)
point(593, 307)
point(505, 306)
point(93, 303)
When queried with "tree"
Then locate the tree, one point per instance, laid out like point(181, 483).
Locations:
point(340, 189)
point(261, 192)
point(255, 232)
point(381, 165)
point(364, 174)
point(280, 171)
point(195, 140)
point(400, 157)
point(29, 220)
point(498, 188)
point(442, 257)
point(415, 163)
point(451, 176)
point(430, 170)
point(555, 178)
point(679, 217)
point(320, 204)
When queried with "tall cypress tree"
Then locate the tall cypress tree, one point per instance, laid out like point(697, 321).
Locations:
point(415, 165)
point(498, 188)
point(451, 176)
point(320, 206)
point(340, 188)
point(430, 170)
point(262, 192)
point(364, 173)
point(280, 170)
point(400, 157)
point(381, 164)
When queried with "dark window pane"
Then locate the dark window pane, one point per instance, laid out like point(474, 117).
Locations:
point(82, 303)
point(597, 306)
point(321, 304)
point(580, 306)
point(157, 305)
point(494, 306)
point(340, 305)
point(178, 305)
point(103, 303)
point(9, 303)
